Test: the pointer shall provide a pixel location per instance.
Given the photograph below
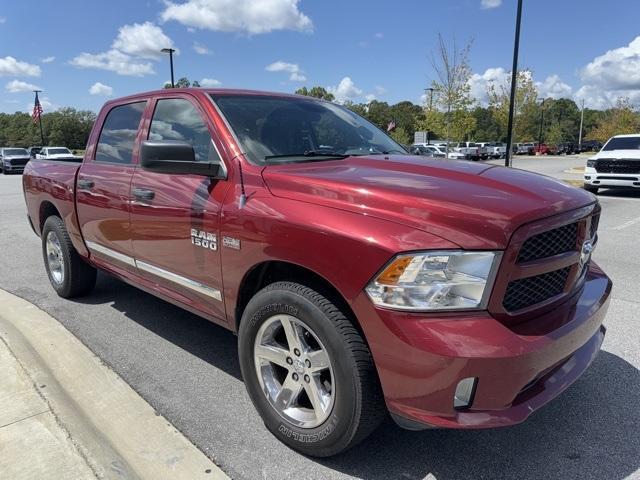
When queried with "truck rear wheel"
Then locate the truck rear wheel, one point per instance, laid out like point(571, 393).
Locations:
point(69, 274)
point(308, 371)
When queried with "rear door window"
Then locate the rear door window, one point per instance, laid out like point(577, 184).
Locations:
point(119, 132)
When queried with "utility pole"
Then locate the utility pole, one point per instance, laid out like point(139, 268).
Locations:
point(430, 90)
point(581, 122)
point(170, 52)
point(37, 107)
point(541, 123)
point(514, 79)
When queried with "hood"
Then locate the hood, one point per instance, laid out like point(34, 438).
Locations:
point(626, 154)
point(471, 204)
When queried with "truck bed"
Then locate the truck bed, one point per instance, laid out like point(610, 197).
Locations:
point(51, 184)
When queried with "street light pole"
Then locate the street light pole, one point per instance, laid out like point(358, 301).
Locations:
point(170, 52)
point(430, 90)
point(514, 79)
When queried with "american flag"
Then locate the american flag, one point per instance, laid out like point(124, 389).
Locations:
point(37, 110)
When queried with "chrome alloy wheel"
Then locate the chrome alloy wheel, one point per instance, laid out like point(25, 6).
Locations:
point(55, 259)
point(294, 371)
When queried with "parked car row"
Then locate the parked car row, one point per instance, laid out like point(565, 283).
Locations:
point(14, 159)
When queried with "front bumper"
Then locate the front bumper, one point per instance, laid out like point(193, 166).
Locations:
point(420, 359)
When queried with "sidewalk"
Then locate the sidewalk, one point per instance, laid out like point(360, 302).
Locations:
point(65, 415)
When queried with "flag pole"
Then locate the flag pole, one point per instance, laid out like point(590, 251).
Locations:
point(39, 117)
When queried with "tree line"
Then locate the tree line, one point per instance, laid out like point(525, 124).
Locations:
point(449, 112)
point(66, 127)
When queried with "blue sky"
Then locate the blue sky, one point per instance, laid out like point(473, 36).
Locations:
point(83, 52)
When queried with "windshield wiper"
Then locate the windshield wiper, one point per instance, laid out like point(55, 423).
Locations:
point(310, 153)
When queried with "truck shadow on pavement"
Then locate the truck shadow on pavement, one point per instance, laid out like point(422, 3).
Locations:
point(590, 431)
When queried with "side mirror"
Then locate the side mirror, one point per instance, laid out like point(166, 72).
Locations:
point(174, 157)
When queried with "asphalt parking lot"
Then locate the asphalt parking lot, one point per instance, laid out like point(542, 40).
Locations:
point(187, 369)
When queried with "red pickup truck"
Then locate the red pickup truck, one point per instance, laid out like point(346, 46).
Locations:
point(360, 280)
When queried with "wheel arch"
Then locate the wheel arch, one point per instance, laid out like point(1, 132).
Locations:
point(46, 210)
point(271, 271)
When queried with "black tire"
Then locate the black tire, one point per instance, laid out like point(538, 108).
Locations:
point(358, 407)
point(78, 278)
point(591, 189)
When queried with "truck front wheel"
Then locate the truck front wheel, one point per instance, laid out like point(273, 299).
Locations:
point(69, 274)
point(308, 370)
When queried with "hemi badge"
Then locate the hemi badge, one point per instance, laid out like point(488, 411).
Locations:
point(231, 242)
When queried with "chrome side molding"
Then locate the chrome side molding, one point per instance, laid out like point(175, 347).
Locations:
point(180, 280)
point(157, 271)
point(107, 252)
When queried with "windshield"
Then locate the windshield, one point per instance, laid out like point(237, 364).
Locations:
point(623, 143)
point(288, 129)
point(58, 151)
point(16, 151)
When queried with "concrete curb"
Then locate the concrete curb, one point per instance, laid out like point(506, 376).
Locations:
point(114, 429)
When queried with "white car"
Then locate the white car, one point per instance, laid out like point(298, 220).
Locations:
point(616, 165)
point(55, 153)
point(440, 149)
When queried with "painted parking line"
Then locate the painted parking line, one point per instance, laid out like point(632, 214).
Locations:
point(628, 224)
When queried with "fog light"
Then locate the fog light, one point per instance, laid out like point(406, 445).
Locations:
point(464, 392)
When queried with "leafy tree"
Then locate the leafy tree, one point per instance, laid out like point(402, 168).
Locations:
point(526, 111)
point(619, 120)
point(452, 92)
point(183, 82)
point(401, 136)
point(317, 92)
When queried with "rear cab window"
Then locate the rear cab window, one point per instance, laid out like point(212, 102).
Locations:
point(119, 131)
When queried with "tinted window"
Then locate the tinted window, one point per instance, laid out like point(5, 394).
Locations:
point(58, 151)
point(15, 151)
point(119, 133)
point(178, 119)
point(623, 143)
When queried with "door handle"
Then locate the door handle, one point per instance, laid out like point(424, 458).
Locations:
point(85, 184)
point(143, 194)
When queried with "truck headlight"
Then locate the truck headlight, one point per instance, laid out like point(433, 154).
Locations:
point(591, 163)
point(443, 280)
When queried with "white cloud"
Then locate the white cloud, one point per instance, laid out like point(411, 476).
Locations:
point(346, 90)
point(9, 66)
point(614, 74)
point(479, 83)
point(48, 59)
point(142, 40)
point(296, 74)
point(201, 49)
point(2, 20)
point(554, 87)
point(370, 97)
point(379, 35)
point(486, 4)
point(210, 82)
point(101, 89)
point(16, 86)
point(245, 16)
point(114, 61)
